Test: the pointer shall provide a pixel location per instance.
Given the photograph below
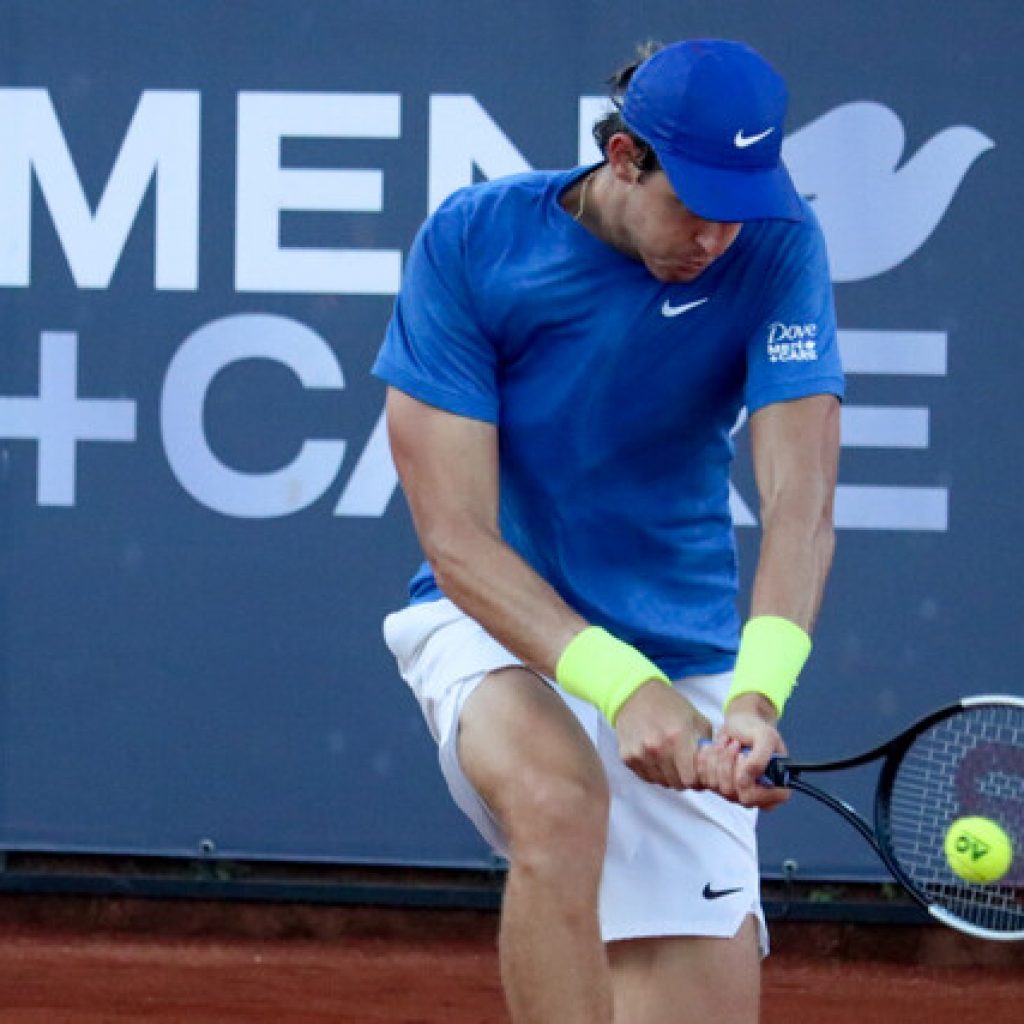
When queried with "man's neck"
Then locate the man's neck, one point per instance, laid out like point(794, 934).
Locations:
point(593, 203)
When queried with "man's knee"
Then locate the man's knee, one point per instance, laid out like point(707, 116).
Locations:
point(558, 825)
point(537, 771)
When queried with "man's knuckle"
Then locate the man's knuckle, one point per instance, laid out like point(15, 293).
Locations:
point(656, 746)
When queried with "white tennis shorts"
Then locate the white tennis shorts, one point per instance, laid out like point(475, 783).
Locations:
point(676, 864)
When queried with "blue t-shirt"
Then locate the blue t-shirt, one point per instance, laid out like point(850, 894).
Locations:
point(613, 415)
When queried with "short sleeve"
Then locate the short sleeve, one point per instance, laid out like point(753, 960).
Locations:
point(793, 350)
point(435, 348)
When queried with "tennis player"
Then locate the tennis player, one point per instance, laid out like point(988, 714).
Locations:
point(567, 357)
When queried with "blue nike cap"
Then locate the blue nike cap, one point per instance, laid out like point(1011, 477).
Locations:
point(713, 112)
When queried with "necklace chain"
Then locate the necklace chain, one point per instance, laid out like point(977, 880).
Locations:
point(583, 198)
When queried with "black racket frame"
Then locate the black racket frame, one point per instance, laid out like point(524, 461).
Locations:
point(784, 771)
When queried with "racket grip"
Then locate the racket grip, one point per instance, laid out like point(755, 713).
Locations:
point(775, 773)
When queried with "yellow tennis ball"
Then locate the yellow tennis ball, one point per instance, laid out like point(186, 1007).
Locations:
point(978, 850)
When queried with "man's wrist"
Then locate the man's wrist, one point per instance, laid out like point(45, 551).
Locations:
point(604, 671)
point(752, 703)
point(772, 653)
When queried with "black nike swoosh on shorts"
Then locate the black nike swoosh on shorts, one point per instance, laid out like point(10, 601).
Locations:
point(714, 894)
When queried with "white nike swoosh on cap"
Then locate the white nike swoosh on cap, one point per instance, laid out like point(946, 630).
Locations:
point(741, 141)
point(668, 309)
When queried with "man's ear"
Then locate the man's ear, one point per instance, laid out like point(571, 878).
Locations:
point(624, 158)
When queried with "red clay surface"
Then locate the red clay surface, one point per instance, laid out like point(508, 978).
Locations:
point(421, 967)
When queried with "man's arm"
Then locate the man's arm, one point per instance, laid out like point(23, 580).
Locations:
point(795, 447)
point(448, 466)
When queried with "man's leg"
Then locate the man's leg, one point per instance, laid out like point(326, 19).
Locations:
point(677, 980)
point(535, 768)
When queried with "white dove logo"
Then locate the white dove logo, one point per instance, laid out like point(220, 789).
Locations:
point(874, 215)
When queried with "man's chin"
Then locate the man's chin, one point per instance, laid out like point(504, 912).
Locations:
point(668, 274)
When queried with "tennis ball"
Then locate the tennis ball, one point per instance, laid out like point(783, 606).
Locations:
point(978, 850)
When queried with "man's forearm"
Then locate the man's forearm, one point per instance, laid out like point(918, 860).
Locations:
point(793, 566)
point(489, 581)
point(796, 454)
point(796, 554)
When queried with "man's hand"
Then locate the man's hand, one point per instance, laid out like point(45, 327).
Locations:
point(658, 731)
point(740, 753)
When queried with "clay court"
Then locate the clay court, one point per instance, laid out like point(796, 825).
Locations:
point(92, 960)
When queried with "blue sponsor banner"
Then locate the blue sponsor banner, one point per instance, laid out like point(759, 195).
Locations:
point(204, 212)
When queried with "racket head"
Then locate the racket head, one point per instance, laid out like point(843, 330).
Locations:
point(965, 760)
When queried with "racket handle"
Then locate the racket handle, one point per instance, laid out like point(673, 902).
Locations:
point(775, 774)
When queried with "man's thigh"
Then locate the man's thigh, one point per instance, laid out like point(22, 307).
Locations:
point(679, 979)
point(525, 753)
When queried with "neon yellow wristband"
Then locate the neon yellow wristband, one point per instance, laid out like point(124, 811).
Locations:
point(772, 652)
point(604, 671)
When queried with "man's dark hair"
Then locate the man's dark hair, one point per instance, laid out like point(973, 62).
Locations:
point(612, 122)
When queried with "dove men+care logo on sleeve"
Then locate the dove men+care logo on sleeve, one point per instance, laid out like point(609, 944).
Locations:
point(792, 343)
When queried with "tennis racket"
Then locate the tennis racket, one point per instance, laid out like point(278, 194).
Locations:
point(963, 760)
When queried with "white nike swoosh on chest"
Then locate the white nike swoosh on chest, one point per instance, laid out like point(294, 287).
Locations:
point(668, 309)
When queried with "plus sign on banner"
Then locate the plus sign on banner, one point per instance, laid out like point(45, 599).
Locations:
point(57, 419)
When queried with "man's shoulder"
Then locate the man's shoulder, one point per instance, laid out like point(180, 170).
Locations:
point(806, 231)
point(772, 246)
point(509, 194)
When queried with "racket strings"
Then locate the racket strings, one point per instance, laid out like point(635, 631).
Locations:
point(971, 763)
